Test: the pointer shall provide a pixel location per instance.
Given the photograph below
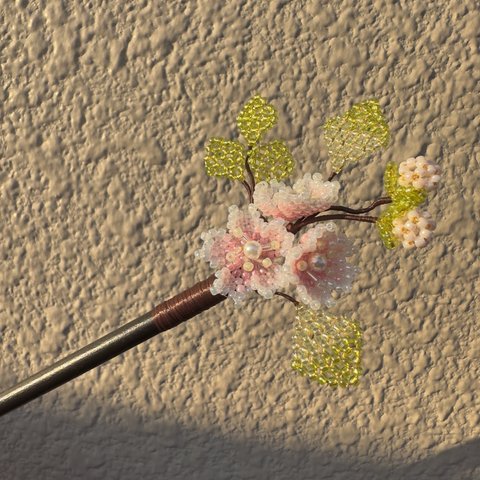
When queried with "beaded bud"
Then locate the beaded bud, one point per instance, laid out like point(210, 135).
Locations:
point(419, 173)
point(414, 229)
point(404, 198)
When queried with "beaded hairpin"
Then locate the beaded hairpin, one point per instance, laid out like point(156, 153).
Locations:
point(260, 252)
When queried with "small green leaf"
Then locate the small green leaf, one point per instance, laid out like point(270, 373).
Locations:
point(256, 117)
point(270, 161)
point(384, 225)
point(390, 178)
point(356, 134)
point(225, 158)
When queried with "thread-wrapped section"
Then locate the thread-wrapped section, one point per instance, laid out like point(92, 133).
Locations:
point(186, 305)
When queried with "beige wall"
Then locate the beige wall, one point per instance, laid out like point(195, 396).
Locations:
point(105, 111)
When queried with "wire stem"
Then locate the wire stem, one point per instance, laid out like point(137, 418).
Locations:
point(248, 188)
point(352, 214)
point(288, 297)
point(376, 203)
point(250, 173)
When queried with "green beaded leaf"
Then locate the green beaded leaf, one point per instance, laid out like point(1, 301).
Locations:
point(271, 161)
point(256, 117)
point(403, 200)
point(409, 196)
point(390, 178)
point(384, 225)
point(225, 158)
point(327, 348)
point(356, 134)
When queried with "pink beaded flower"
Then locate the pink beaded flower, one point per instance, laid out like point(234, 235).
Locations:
point(317, 265)
point(249, 256)
point(308, 195)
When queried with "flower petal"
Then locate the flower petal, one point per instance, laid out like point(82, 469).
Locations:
point(309, 195)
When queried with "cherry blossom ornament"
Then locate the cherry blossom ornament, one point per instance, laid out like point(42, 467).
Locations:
point(260, 253)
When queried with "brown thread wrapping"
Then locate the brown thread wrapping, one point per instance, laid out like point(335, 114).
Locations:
point(186, 305)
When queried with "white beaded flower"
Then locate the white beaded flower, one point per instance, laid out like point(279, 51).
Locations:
point(249, 256)
point(419, 173)
point(414, 229)
point(308, 195)
point(317, 265)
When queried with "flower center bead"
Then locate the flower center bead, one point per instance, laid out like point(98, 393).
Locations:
point(252, 249)
point(317, 262)
point(302, 265)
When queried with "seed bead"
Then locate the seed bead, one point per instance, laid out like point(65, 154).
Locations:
point(248, 266)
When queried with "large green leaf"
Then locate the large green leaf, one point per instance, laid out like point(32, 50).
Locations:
point(327, 348)
point(356, 134)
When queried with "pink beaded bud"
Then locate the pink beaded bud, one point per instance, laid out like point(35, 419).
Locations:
point(308, 195)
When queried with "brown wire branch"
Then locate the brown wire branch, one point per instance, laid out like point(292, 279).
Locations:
point(295, 227)
point(352, 214)
point(248, 188)
point(250, 173)
point(376, 203)
point(288, 297)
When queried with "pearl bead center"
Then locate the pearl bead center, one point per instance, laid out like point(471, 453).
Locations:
point(252, 249)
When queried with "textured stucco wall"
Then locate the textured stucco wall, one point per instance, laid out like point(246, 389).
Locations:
point(105, 111)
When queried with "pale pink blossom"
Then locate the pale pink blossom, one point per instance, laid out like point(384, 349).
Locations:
point(308, 195)
point(249, 256)
point(414, 228)
point(419, 173)
point(317, 265)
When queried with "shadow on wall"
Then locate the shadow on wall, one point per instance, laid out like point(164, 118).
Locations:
point(37, 445)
